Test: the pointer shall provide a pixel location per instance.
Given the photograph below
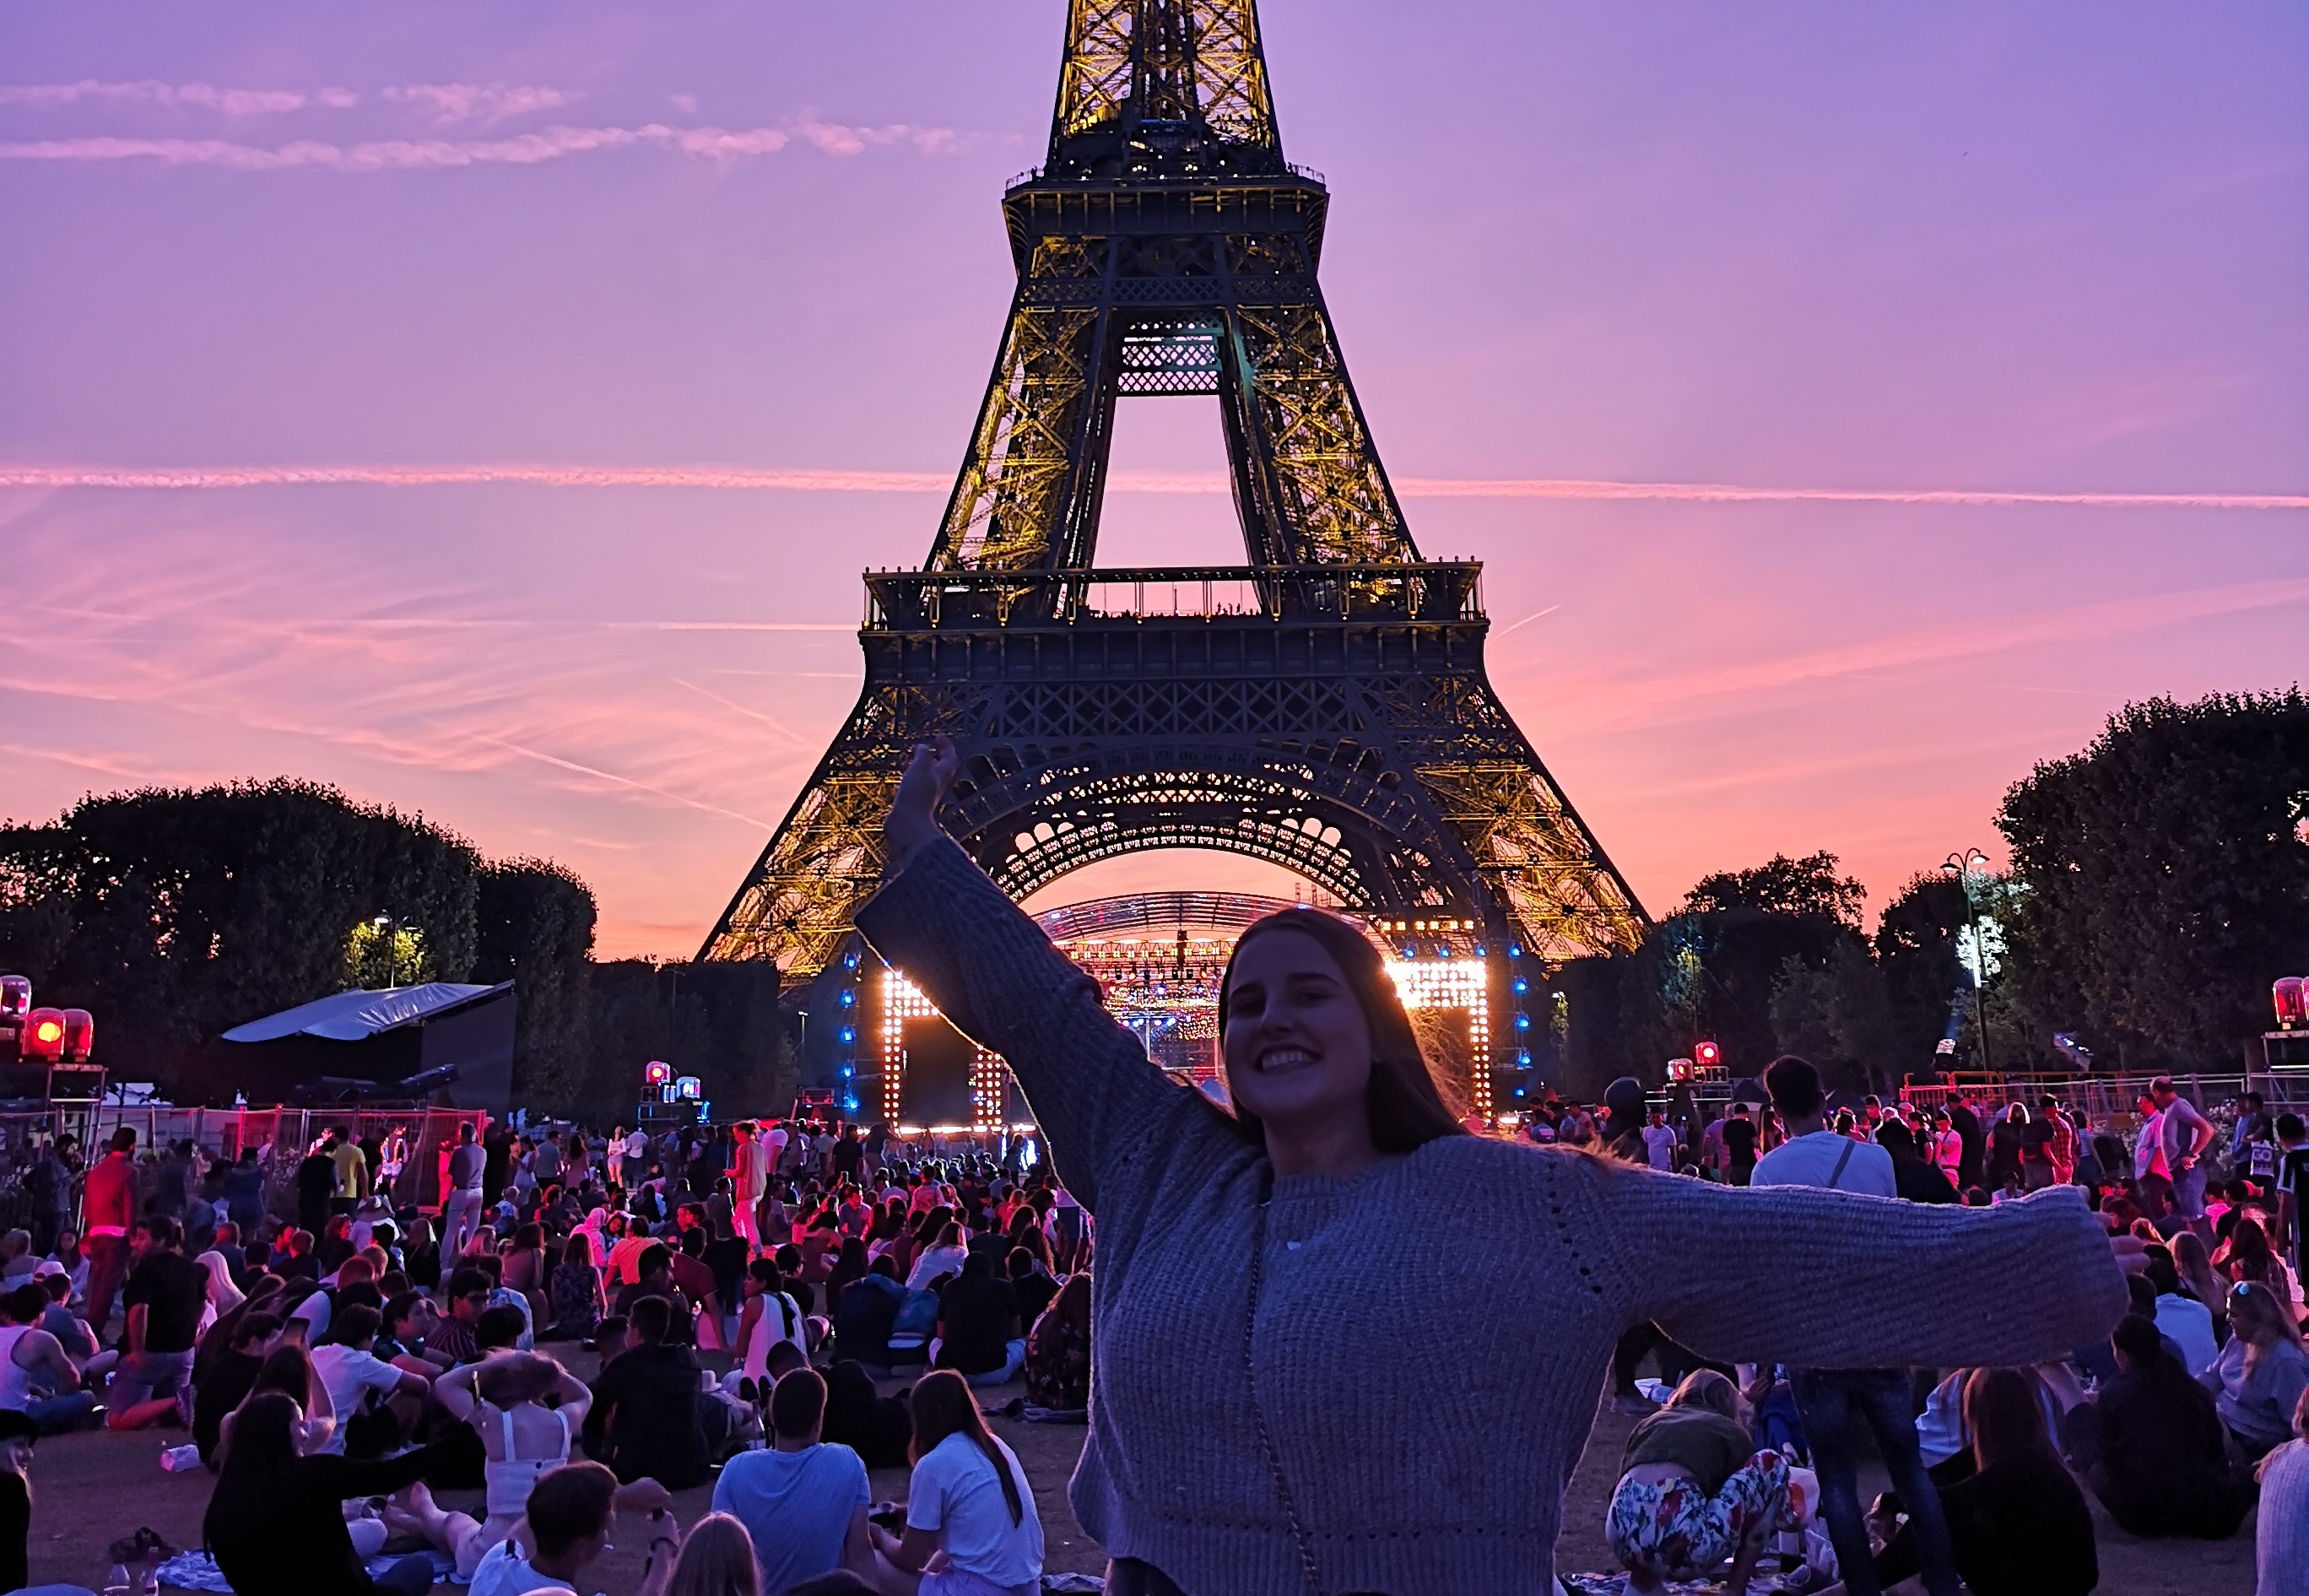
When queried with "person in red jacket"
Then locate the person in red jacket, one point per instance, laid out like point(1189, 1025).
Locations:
point(109, 1205)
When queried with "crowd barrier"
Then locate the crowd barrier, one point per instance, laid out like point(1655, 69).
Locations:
point(279, 1135)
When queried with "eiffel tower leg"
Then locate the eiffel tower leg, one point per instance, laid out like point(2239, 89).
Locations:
point(827, 856)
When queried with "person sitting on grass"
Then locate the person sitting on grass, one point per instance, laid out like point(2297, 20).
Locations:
point(504, 1399)
point(2154, 1451)
point(803, 1501)
point(2260, 1375)
point(572, 1511)
point(468, 1298)
point(645, 1422)
point(717, 1559)
point(224, 1380)
point(1693, 1490)
point(969, 1500)
point(1057, 1356)
point(879, 1429)
point(32, 1360)
point(276, 1523)
point(2017, 1525)
point(359, 1381)
point(578, 1303)
point(978, 1332)
point(2281, 1538)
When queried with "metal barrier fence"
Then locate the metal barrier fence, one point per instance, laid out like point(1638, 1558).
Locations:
point(281, 1135)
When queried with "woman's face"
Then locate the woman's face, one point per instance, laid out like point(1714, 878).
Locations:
point(1297, 1047)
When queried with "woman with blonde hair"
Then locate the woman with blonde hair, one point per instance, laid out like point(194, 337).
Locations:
point(717, 1559)
point(2260, 1375)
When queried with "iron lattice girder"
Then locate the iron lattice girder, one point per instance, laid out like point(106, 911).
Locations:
point(1370, 755)
point(1174, 85)
point(1325, 707)
point(1108, 272)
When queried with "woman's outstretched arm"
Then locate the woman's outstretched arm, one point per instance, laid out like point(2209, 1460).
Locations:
point(1825, 1279)
point(991, 971)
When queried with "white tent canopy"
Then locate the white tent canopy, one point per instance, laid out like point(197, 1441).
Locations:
point(357, 1015)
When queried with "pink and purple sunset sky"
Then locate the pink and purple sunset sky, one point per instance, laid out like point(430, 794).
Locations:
point(489, 410)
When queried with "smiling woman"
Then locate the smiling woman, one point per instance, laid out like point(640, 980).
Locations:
point(1262, 1419)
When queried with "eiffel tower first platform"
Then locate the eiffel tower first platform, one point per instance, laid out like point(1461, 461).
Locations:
point(1324, 706)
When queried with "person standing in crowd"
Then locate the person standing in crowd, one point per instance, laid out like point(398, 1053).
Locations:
point(1947, 1145)
point(803, 1501)
point(1218, 1419)
point(749, 1183)
point(352, 1170)
point(1659, 1140)
point(2253, 1143)
point(243, 1192)
point(108, 1209)
point(460, 1210)
point(2183, 1134)
point(1739, 1147)
point(48, 1184)
point(2292, 1185)
point(163, 1299)
point(1832, 1399)
point(316, 1183)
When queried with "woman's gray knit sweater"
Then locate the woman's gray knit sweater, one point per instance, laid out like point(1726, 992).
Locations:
point(1432, 1335)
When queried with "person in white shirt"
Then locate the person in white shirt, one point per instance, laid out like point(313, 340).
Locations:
point(1832, 1399)
point(348, 1370)
point(749, 1177)
point(1659, 1140)
point(1814, 1155)
point(969, 1498)
point(943, 1257)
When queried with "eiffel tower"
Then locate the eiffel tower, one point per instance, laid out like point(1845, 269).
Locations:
point(1324, 706)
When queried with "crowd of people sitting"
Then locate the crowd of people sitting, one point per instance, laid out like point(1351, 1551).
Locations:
point(2196, 1407)
point(741, 1295)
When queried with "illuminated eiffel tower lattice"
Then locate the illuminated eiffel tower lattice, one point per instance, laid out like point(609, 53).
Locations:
point(1323, 707)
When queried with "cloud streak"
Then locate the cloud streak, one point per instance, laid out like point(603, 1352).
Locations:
point(232, 102)
point(489, 102)
point(802, 480)
point(528, 149)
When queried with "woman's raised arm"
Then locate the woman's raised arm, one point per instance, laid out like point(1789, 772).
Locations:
point(1827, 1279)
point(991, 972)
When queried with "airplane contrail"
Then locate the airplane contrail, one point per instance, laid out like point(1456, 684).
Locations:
point(833, 479)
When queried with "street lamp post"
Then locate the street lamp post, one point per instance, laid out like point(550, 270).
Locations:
point(1961, 866)
point(386, 928)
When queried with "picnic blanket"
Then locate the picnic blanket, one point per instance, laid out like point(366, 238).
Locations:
point(197, 1571)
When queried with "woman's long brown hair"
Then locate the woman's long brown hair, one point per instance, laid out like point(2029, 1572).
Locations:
point(942, 1407)
point(1406, 1110)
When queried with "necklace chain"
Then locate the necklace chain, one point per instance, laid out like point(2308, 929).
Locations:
point(1298, 1537)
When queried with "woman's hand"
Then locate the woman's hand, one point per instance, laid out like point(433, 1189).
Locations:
point(914, 812)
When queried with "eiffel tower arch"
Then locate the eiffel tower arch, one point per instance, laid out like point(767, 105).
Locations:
point(1323, 707)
